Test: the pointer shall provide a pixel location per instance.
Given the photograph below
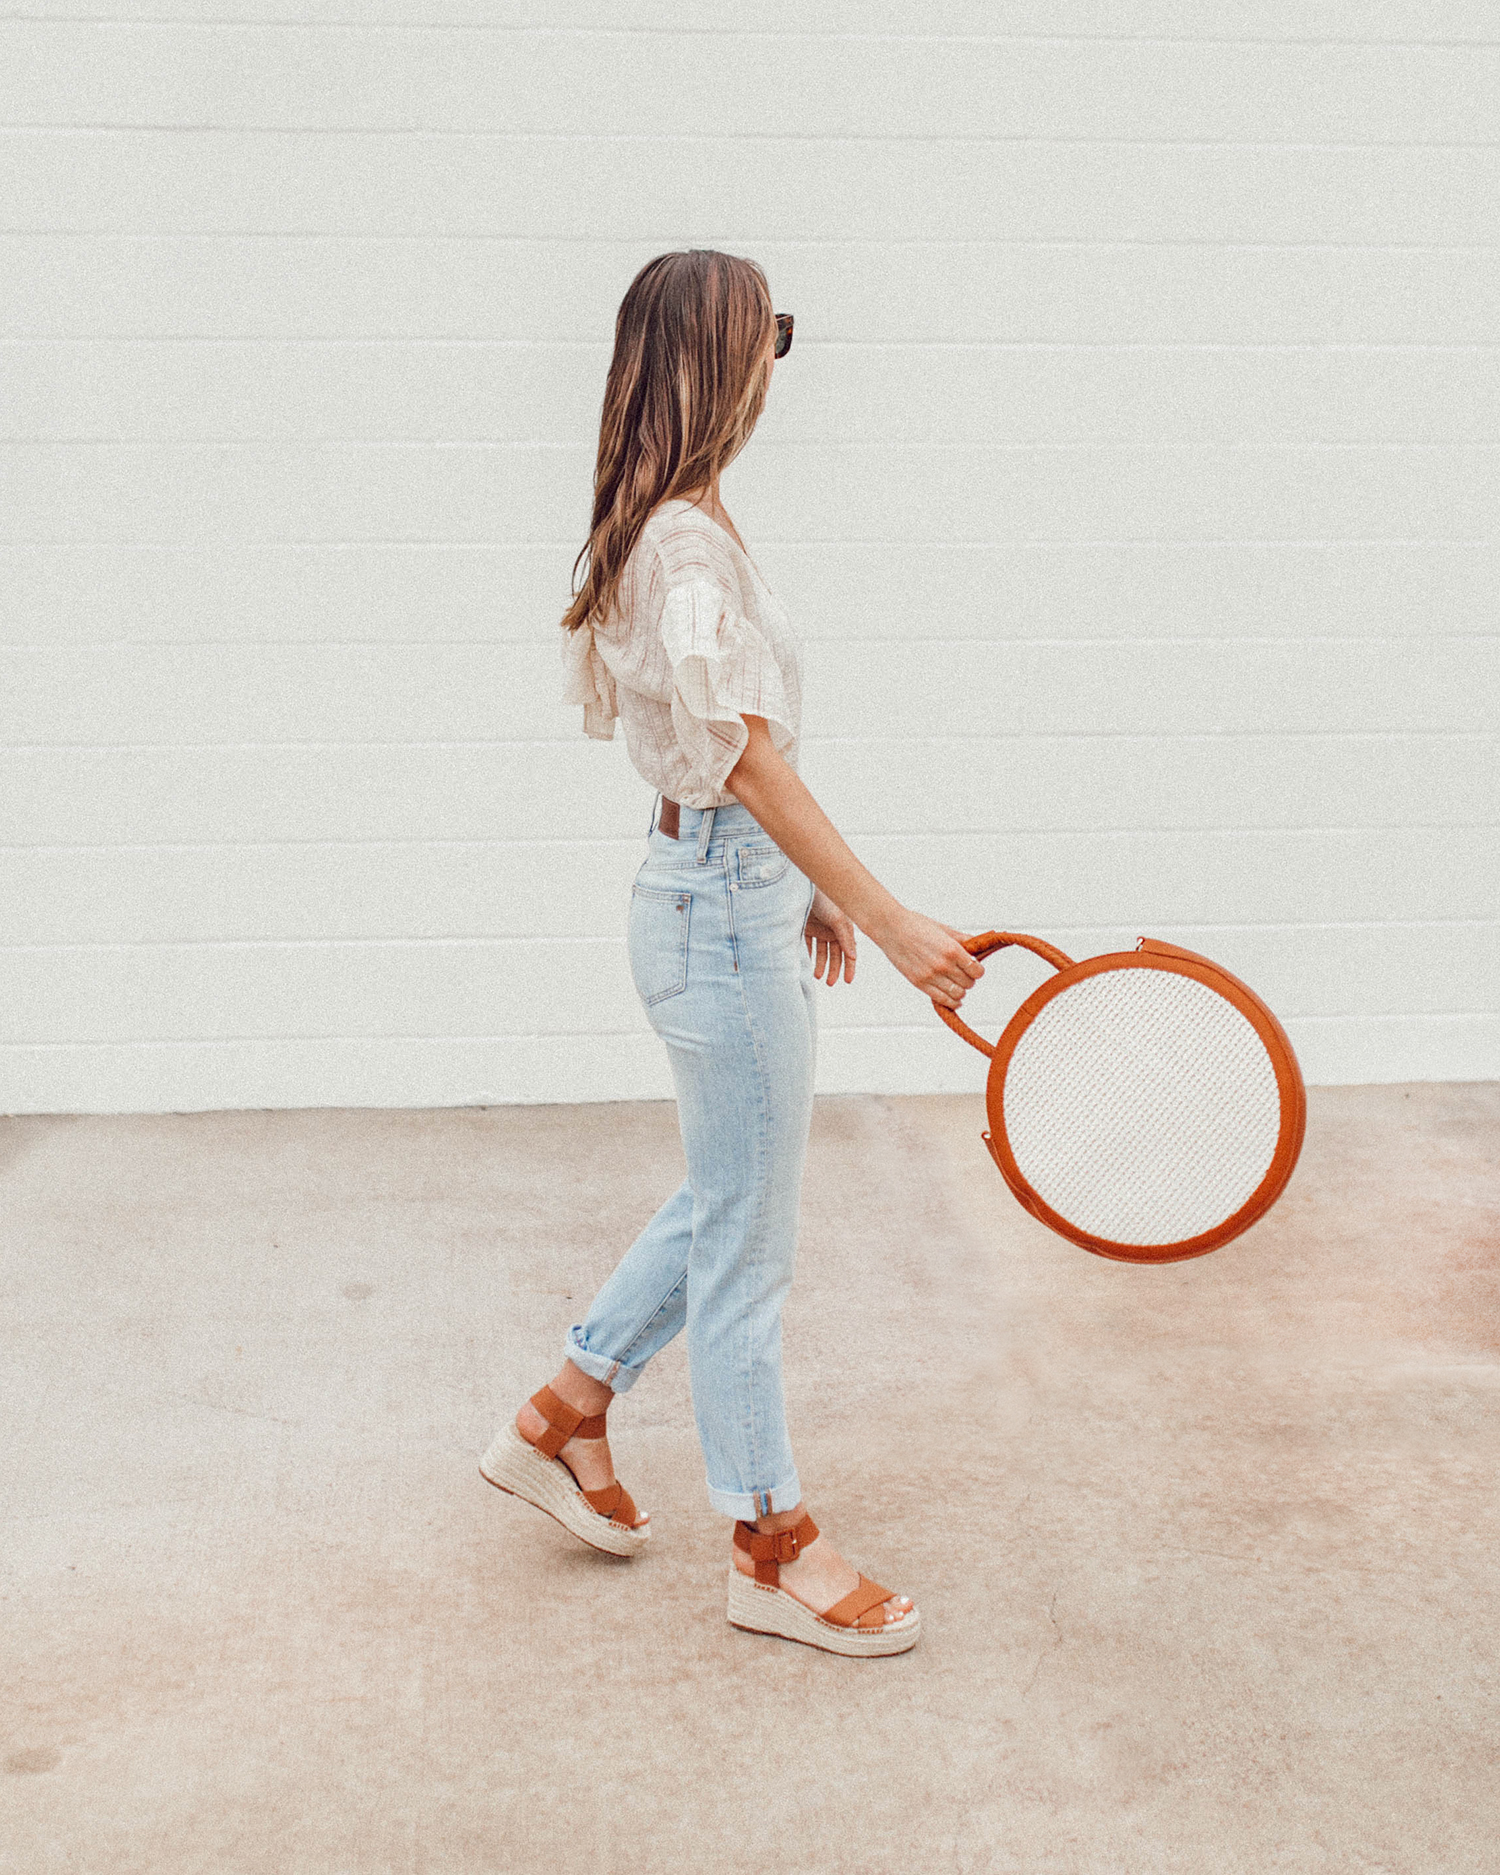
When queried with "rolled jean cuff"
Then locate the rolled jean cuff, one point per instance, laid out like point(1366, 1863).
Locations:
point(748, 1505)
point(615, 1374)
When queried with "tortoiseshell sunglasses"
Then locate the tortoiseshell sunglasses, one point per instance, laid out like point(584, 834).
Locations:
point(783, 334)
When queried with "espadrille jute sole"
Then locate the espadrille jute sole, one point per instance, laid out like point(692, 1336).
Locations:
point(764, 1610)
point(514, 1466)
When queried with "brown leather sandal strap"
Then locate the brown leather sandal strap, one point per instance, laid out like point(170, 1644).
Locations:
point(594, 1427)
point(613, 1501)
point(562, 1422)
point(859, 1602)
point(769, 1552)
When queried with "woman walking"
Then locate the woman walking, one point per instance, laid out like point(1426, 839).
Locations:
point(747, 893)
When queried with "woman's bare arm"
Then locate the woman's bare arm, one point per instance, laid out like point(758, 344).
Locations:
point(925, 951)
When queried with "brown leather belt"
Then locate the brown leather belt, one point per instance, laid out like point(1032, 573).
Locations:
point(669, 819)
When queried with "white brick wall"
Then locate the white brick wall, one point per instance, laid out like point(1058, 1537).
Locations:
point(1133, 483)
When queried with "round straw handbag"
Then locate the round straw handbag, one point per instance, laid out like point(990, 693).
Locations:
point(1145, 1104)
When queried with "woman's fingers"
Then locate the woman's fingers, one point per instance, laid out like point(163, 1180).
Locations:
point(832, 957)
point(967, 962)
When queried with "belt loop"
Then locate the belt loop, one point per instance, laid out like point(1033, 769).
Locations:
point(705, 831)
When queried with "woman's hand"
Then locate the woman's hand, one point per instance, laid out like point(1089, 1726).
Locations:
point(931, 955)
point(926, 952)
point(832, 932)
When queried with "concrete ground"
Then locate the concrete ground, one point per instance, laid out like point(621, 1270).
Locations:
point(1206, 1554)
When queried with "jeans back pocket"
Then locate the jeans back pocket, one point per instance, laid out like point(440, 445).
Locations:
point(658, 941)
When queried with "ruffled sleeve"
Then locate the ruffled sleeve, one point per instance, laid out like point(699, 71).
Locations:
point(587, 679)
point(722, 670)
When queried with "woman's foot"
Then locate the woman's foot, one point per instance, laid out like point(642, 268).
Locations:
point(817, 1576)
point(587, 1459)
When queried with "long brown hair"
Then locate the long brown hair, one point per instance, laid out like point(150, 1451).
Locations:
point(684, 391)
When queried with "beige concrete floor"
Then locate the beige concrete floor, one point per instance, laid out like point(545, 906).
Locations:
point(1206, 1554)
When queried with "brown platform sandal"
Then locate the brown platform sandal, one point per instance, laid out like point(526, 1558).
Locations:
point(856, 1625)
point(535, 1472)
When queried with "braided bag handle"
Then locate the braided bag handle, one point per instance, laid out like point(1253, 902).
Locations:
point(981, 946)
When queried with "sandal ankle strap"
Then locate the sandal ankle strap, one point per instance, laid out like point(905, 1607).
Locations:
point(769, 1552)
point(564, 1422)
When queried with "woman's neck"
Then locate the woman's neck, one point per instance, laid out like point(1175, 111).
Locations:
point(710, 504)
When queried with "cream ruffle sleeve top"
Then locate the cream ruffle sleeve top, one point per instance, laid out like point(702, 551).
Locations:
point(695, 638)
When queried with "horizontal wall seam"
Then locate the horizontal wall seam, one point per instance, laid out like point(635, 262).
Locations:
point(885, 446)
point(1120, 642)
point(560, 1035)
point(318, 22)
point(632, 840)
point(303, 132)
point(1002, 544)
point(598, 943)
point(816, 242)
point(775, 35)
point(603, 348)
point(1023, 736)
point(434, 444)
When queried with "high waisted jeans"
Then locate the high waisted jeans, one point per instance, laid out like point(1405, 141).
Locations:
point(719, 963)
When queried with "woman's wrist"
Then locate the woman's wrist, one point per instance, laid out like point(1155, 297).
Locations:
point(875, 911)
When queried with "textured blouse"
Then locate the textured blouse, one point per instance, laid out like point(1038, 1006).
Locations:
point(695, 641)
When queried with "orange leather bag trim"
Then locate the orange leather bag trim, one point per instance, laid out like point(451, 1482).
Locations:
point(1154, 954)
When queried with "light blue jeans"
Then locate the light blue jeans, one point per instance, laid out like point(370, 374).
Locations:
point(719, 963)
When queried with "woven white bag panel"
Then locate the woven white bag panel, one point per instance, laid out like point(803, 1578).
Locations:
point(1142, 1106)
